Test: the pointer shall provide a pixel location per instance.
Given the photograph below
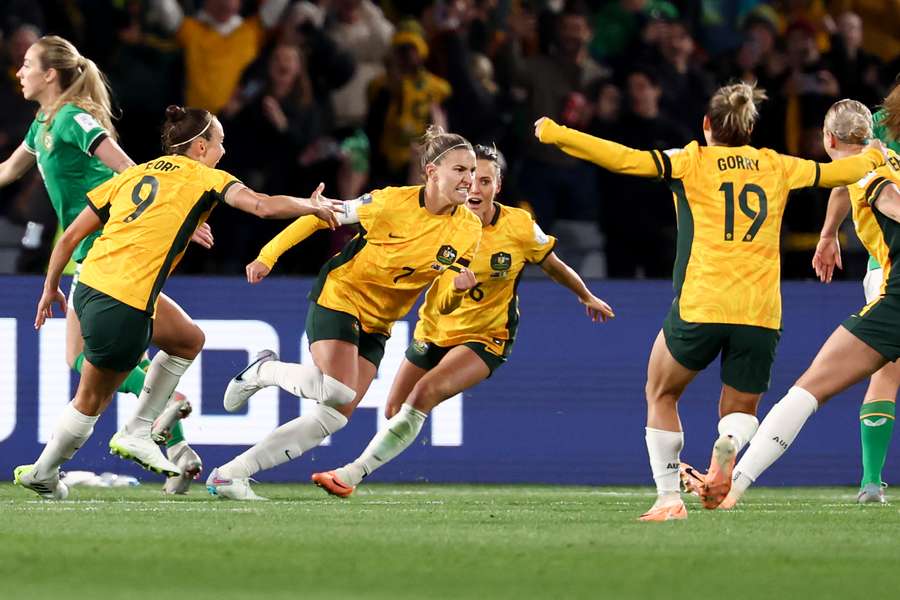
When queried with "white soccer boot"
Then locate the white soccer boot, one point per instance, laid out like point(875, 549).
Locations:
point(48, 489)
point(246, 383)
point(178, 407)
point(144, 452)
point(237, 488)
point(190, 464)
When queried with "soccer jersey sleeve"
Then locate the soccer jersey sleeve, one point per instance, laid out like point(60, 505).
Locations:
point(449, 298)
point(674, 163)
point(365, 209)
point(30, 141)
point(222, 181)
point(537, 245)
point(800, 173)
point(100, 198)
point(80, 129)
point(289, 237)
point(609, 155)
point(874, 183)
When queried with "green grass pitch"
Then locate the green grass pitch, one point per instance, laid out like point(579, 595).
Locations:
point(435, 541)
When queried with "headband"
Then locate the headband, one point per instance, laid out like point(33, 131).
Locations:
point(436, 158)
point(202, 131)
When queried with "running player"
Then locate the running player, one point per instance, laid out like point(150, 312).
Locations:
point(411, 236)
point(730, 200)
point(150, 212)
point(877, 413)
point(452, 353)
point(867, 340)
point(73, 142)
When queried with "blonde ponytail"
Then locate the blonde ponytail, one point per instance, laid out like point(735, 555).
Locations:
point(82, 83)
point(732, 113)
point(891, 106)
point(850, 122)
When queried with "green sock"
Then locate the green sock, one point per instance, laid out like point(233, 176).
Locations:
point(176, 434)
point(133, 384)
point(876, 424)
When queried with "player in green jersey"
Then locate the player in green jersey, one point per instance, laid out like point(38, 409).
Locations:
point(73, 142)
point(877, 413)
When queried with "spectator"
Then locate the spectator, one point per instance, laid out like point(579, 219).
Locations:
point(882, 22)
point(857, 70)
point(686, 87)
point(402, 103)
point(218, 45)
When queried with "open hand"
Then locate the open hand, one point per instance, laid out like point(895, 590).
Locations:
point(45, 306)
point(325, 208)
point(597, 309)
point(203, 236)
point(826, 257)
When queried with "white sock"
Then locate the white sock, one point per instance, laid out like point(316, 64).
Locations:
point(740, 426)
point(72, 430)
point(775, 435)
point(664, 449)
point(305, 381)
point(401, 431)
point(287, 442)
point(163, 375)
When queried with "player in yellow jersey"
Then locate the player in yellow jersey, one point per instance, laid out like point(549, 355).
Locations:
point(410, 237)
point(867, 340)
point(148, 212)
point(878, 410)
point(452, 353)
point(730, 199)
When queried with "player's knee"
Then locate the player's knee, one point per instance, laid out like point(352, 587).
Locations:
point(425, 396)
point(657, 393)
point(336, 394)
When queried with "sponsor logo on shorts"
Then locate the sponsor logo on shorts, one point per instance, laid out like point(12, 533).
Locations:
point(419, 346)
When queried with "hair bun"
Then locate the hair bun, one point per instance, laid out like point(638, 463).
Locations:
point(175, 113)
point(740, 97)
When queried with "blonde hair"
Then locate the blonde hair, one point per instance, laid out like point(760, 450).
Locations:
point(436, 143)
point(850, 122)
point(732, 113)
point(891, 106)
point(81, 81)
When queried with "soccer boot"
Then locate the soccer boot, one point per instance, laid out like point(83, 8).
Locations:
point(872, 493)
point(692, 480)
point(668, 511)
point(144, 452)
point(237, 488)
point(178, 407)
point(718, 478)
point(246, 383)
point(190, 464)
point(330, 482)
point(48, 489)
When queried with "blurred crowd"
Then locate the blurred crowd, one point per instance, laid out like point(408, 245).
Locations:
point(339, 90)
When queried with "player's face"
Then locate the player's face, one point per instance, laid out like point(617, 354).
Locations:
point(32, 77)
point(215, 145)
point(454, 175)
point(484, 189)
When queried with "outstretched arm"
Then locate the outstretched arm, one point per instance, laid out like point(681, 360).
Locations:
point(567, 277)
point(111, 154)
point(609, 155)
point(84, 225)
point(828, 250)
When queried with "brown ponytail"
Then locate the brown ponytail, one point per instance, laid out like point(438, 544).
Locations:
point(436, 143)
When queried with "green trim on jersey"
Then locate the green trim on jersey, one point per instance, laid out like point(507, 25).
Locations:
point(881, 133)
point(64, 155)
point(872, 264)
point(685, 236)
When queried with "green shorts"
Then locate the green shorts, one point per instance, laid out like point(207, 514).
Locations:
point(325, 324)
point(878, 325)
point(748, 351)
point(426, 355)
point(115, 335)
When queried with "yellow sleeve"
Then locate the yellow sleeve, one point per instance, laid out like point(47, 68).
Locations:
point(449, 298)
point(802, 173)
point(100, 198)
point(290, 236)
point(537, 245)
point(609, 155)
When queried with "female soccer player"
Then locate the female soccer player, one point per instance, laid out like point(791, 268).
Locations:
point(867, 340)
point(877, 413)
point(150, 212)
point(410, 237)
point(730, 200)
point(452, 353)
point(73, 142)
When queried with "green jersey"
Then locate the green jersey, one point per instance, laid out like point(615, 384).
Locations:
point(65, 158)
point(881, 134)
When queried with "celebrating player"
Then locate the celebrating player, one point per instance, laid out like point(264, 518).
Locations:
point(877, 413)
point(867, 340)
point(452, 353)
point(72, 140)
point(730, 200)
point(410, 237)
point(148, 213)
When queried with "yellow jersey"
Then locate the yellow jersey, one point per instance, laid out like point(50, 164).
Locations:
point(869, 224)
point(489, 312)
point(729, 203)
point(401, 250)
point(150, 212)
point(214, 62)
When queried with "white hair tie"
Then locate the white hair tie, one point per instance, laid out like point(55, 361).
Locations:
point(434, 160)
point(202, 131)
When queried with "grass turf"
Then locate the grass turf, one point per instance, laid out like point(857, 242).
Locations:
point(432, 541)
